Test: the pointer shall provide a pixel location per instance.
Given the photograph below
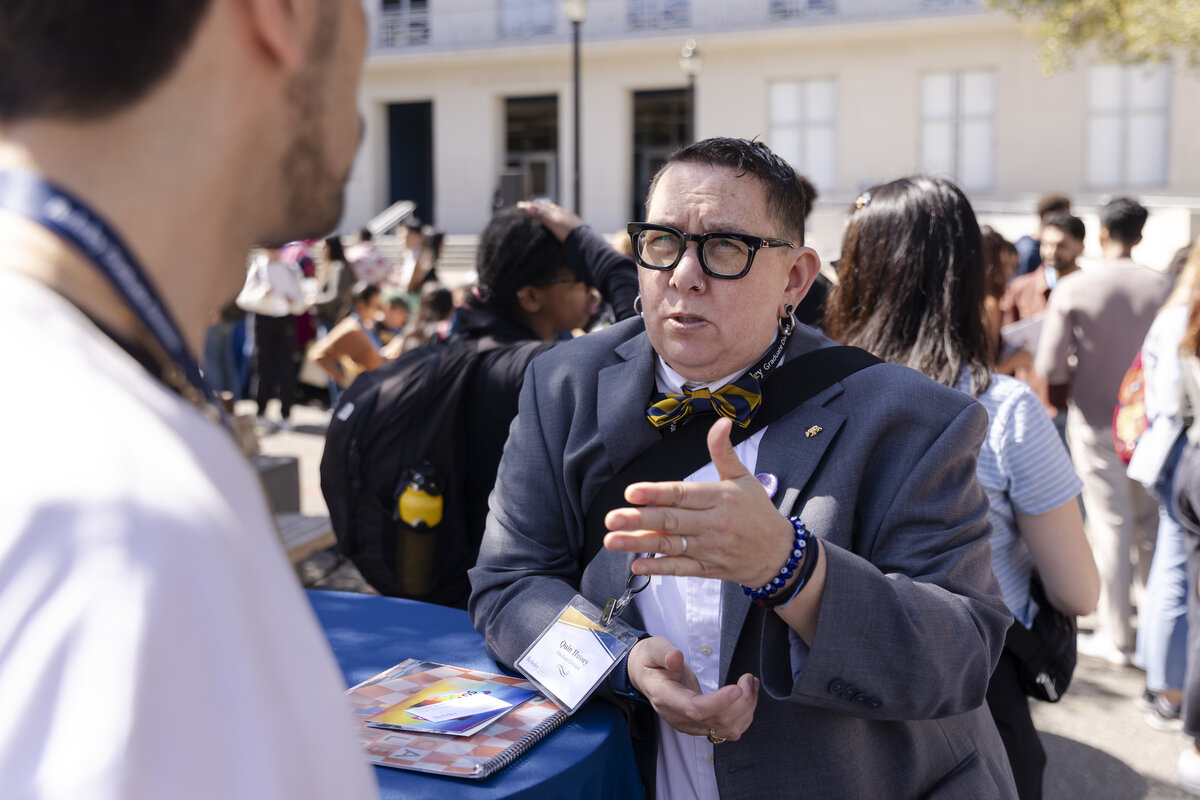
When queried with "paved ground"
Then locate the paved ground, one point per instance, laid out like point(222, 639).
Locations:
point(1098, 746)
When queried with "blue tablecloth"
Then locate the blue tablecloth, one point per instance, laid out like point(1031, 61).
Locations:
point(588, 757)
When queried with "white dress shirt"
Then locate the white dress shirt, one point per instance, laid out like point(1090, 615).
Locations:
point(687, 611)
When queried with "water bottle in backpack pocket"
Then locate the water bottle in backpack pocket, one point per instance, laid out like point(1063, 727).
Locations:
point(419, 509)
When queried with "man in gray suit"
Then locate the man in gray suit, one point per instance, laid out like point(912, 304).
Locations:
point(864, 674)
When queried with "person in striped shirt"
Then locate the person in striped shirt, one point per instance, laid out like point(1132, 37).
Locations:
point(911, 290)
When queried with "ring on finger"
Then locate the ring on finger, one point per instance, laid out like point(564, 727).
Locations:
point(712, 736)
point(683, 540)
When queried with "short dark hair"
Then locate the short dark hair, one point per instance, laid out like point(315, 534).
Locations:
point(1050, 203)
point(515, 250)
point(396, 298)
point(810, 195)
point(786, 194)
point(365, 292)
point(911, 281)
point(1068, 224)
point(1124, 218)
point(70, 60)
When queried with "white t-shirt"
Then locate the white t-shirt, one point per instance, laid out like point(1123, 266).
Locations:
point(154, 640)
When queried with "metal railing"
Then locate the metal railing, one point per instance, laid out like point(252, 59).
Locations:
point(503, 23)
point(403, 28)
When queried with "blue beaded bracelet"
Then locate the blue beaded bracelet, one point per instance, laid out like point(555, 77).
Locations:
point(799, 547)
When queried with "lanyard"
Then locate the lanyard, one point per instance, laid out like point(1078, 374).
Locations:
point(52, 207)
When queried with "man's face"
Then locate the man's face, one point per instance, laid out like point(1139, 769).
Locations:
point(704, 327)
point(1059, 249)
point(325, 122)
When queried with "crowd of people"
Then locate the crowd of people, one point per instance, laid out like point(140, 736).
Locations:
point(819, 600)
point(335, 306)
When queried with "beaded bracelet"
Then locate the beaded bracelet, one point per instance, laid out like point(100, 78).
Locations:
point(799, 547)
point(802, 577)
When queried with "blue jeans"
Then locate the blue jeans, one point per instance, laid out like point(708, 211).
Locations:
point(1162, 619)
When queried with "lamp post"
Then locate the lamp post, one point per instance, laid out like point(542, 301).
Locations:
point(575, 11)
point(689, 62)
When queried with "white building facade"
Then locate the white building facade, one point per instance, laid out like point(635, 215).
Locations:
point(470, 102)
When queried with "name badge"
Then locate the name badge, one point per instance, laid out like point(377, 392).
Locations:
point(575, 653)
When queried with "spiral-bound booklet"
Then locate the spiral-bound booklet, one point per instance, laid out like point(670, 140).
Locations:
point(486, 751)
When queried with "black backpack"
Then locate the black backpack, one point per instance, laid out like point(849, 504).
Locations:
point(402, 425)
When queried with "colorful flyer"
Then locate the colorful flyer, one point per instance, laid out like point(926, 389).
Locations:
point(457, 706)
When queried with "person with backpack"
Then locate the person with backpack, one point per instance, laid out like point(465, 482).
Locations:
point(426, 431)
point(919, 301)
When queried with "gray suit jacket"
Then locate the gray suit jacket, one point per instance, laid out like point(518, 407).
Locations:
point(890, 699)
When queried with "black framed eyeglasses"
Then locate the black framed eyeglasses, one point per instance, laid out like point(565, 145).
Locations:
point(722, 255)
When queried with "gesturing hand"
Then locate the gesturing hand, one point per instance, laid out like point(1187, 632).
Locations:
point(727, 529)
point(657, 670)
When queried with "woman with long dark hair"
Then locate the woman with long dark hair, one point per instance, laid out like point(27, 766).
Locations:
point(335, 298)
point(911, 286)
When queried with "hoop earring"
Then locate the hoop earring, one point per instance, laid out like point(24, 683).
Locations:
point(788, 324)
point(637, 305)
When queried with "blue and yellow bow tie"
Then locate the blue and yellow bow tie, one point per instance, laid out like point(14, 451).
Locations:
point(738, 401)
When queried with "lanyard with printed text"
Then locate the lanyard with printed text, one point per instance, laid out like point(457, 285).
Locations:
point(52, 207)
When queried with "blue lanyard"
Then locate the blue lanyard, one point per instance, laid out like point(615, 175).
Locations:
point(52, 207)
point(1051, 278)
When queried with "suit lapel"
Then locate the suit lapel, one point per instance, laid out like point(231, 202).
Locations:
point(791, 449)
point(622, 393)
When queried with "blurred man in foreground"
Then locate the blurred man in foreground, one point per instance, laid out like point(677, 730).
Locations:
point(154, 641)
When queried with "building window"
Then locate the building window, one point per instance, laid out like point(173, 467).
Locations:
point(949, 5)
point(659, 14)
point(803, 128)
point(404, 23)
point(800, 9)
point(520, 19)
point(957, 127)
point(1128, 110)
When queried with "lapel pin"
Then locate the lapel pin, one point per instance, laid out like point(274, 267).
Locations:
point(769, 482)
point(813, 431)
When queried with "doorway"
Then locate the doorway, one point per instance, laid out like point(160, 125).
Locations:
point(410, 156)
